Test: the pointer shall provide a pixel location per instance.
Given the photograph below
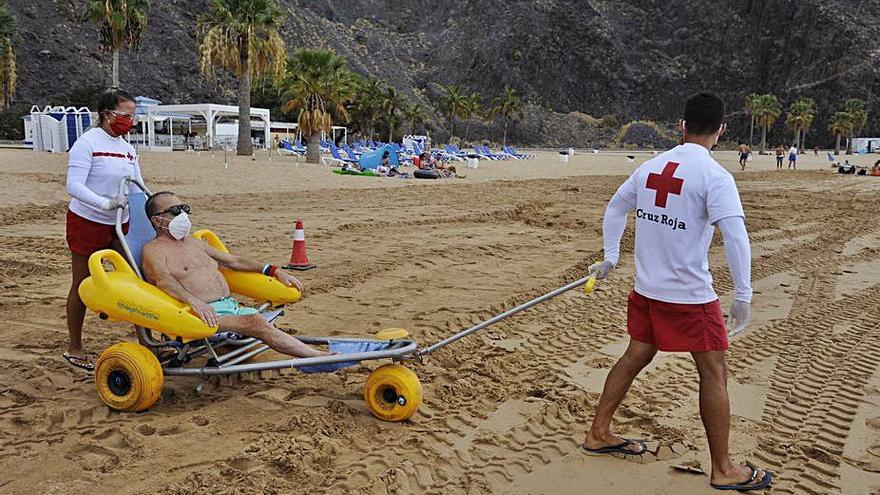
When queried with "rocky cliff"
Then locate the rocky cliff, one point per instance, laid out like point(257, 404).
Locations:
point(569, 59)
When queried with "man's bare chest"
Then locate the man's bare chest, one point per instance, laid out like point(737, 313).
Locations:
point(185, 262)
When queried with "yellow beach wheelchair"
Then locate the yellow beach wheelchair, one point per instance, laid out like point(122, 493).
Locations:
point(129, 376)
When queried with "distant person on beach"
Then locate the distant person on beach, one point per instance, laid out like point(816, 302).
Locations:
point(426, 162)
point(792, 156)
point(679, 198)
point(97, 163)
point(780, 156)
point(384, 167)
point(815, 151)
point(744, 151)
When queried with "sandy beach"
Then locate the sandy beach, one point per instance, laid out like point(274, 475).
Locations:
point(505, 410)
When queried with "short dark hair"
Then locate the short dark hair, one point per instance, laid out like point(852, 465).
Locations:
point(703, 114)
point(150, 205)
point(110, 100)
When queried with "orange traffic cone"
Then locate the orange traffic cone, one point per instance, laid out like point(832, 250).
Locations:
point(298, 258)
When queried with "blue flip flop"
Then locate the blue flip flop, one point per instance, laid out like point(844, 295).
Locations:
point(620, 448)
point(749, 484)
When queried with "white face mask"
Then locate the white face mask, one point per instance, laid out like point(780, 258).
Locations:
point(179, 226)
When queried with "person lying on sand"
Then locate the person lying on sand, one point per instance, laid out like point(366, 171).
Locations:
point(187, 269)
point(355, 167)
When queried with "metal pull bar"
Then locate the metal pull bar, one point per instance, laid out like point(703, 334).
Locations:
point(589, 281)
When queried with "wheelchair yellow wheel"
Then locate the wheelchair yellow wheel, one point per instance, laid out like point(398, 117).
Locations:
point(128, 377)
point(393, 392)
point(392, 334)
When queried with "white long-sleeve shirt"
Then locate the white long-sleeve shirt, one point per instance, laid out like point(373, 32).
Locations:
point(97, 163)
point(679, 197)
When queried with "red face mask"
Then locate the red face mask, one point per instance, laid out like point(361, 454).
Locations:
point(121, 125)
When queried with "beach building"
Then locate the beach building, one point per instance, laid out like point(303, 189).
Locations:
point(55, 129)
point(866, 145)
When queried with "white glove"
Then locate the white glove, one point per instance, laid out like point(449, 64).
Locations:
point(601, 269)
point(117, 202)
point(738, 317)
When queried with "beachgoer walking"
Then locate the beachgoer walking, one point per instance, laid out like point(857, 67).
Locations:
point(780, 156)
point(744, 151)
point(792, 156)
point(679, 198)
point(97, 163)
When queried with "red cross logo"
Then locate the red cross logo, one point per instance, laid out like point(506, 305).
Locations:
point(664, 184)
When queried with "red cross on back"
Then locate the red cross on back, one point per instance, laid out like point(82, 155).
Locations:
point(664, 184)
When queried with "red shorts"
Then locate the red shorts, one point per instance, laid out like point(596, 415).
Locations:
point(84, 236)
point(676, 327)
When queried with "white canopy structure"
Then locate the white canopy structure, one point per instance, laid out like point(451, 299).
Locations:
point(285, 129)
point(210, 112)
point(333, 130)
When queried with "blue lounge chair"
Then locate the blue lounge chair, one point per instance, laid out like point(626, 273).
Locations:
point(496, 156)
point(453, 153)
point(480, 153)
point(336, 158)
point(351, 153)
point(521, 156)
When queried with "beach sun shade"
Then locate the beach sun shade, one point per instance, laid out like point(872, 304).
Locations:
point(372, 159)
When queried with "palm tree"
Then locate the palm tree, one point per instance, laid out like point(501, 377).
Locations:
point(319, 85)
point(413, 113)
point(857, 109)
point(471, 107)
point(123, 22)
point(508, 107)
point(8, 70)
point(751, 105)
point(388, 105)
point(242, 37)
point(453, 105)
point(799, 118)
point(370, 95)
point(840, 125)
point(767, 110)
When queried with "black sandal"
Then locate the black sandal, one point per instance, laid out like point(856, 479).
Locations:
point(81, 362)
point(750, 484)
point(620, 448)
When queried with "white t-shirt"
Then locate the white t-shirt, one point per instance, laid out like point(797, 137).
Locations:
point(792, 151)
point(96, 164)
point(677, 197)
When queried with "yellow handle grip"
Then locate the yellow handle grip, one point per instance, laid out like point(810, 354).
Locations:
point(212, 240)
point(591, 283)
point(96, 269)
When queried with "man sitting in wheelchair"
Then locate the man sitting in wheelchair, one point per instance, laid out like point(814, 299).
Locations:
point(187, 269)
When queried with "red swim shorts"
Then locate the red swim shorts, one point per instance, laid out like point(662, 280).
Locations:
point(676, 327)
point(84, 236)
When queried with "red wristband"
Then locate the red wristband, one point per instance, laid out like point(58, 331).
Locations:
point(272, 270)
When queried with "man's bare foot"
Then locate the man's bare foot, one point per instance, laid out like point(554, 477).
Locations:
point(598, 442)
